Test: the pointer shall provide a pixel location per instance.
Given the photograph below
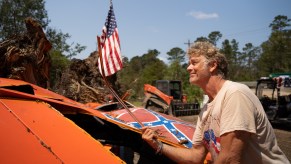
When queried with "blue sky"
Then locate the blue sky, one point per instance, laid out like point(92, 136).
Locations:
point(165, 24)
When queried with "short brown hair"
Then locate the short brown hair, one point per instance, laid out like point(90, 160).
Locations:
point(211, 53)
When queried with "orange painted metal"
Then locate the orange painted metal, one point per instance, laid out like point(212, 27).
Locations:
point(18, 145)
point(34, 132)
point(38, 93)
point(11, 82)
point(61, 103)
point(154, 90)
point(35, 129)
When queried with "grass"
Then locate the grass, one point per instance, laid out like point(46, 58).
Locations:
point(136, 103)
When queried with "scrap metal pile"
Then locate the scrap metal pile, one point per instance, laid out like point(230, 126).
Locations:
point(26, 57)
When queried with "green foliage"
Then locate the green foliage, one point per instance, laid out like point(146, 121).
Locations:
point(153, 71)
point(214, 36)
point(147, 68)
point(14, 12)
point(228, 48)
point(176, 57)
point(280, 23)
point(59, 39)
point(141, 70)
point(248, 60)
point(201, 39)
point(59, 64)
point(12, 16)
point(242, 65)
point(246, 65)
point(193, 93)
point(174, 71)
point(276, 51)
point(61, 53)
point(273, 55)
point(129, 76)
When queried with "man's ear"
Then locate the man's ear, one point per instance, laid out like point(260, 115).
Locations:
point(213, 66)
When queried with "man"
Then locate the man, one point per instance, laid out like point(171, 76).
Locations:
point(232, 126)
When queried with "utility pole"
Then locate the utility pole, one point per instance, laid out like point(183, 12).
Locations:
point(188, 43)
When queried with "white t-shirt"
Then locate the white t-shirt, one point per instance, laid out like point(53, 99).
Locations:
point(236, 107)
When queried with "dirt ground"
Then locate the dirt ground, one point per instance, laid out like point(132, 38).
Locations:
point(283, 134)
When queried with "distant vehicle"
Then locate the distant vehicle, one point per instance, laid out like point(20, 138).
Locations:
point(166, 96)
point(274, 93)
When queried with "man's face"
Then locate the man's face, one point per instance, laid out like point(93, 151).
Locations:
point(199, 70)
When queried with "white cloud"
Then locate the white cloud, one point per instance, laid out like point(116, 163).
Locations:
point(202, 15)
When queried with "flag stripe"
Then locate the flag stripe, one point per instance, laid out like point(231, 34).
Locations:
point(117, 48)
point(110, 56)
point(110, 46)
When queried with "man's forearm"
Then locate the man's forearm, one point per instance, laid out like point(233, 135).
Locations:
point(180, 155)
point(184, 155)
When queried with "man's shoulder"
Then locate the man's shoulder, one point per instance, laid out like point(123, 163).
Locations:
point(232, 87)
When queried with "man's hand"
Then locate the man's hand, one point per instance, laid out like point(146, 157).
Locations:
point(150, 136)
point(180, 155)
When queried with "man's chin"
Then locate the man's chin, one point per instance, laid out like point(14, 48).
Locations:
point(192, 81)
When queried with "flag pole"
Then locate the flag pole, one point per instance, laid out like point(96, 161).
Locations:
point(111, 89)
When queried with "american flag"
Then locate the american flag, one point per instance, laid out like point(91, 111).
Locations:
point(111, 60)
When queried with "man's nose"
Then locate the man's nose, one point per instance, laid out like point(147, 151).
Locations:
point(189, 68)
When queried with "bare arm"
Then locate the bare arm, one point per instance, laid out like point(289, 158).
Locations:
point(232, 147)
point(180, 155)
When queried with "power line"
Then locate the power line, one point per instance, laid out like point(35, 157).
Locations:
point(245, 32)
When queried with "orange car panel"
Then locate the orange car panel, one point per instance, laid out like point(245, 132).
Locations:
point(33, 131)
point(18, 145)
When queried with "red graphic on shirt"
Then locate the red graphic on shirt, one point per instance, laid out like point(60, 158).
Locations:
point(211, 141)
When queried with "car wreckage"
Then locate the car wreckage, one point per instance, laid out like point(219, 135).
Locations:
point(39, 125)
